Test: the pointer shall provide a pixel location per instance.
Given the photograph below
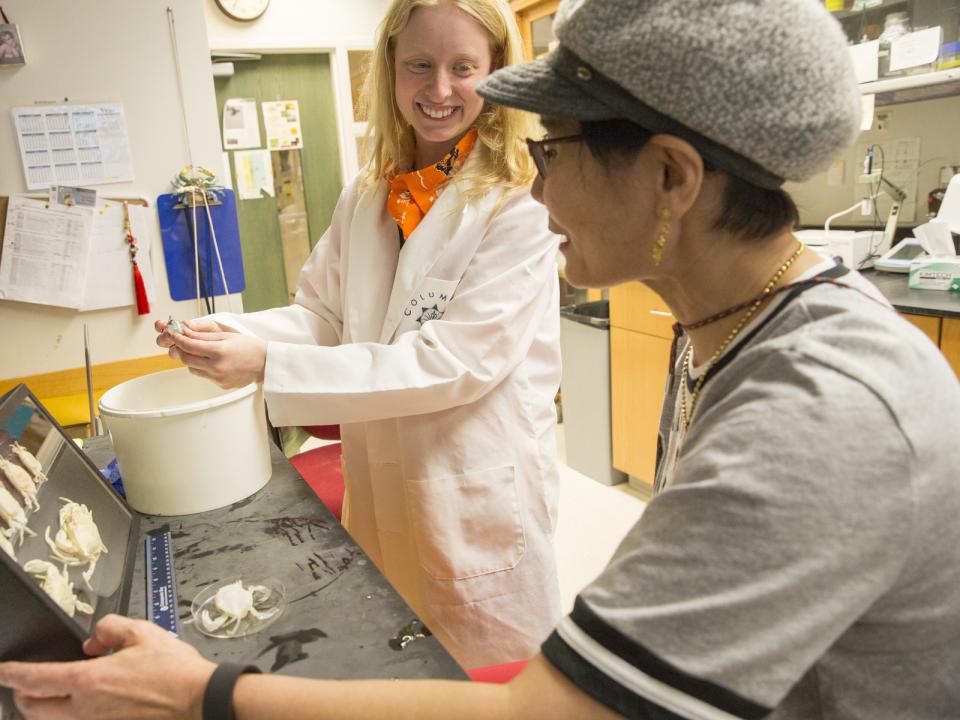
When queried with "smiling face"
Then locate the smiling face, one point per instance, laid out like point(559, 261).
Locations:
point(439, 57)
point(605, 213)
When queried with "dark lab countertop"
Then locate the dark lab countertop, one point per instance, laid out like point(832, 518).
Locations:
point(341, 612)
point(936, 303)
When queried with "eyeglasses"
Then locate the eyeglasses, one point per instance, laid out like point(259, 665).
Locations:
point(542, 154)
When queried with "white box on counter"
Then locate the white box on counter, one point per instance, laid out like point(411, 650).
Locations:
point(854, 248)
point(935, 273)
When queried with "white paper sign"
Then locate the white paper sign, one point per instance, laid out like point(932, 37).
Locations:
point(916, 48)
point(867, 103)
point(45, 253)
point(73, 144)
point(254, 173)
point(835, 175)
point(241, 126)
point(282, 121)
point(74, 256)
point(865, 58)
point(67, 195)
point(109, 270)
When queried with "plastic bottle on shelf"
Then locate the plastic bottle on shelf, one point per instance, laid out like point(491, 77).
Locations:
point(895, 25)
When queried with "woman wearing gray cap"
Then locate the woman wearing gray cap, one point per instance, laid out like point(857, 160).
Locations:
point(801, 558)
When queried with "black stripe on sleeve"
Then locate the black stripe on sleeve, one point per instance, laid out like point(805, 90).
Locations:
point(649, 664)
point(599, 686)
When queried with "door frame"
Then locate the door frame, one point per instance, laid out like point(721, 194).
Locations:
point(342, 98)
point(528, 12)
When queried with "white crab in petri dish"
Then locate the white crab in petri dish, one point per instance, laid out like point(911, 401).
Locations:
point(231, 609)
point(78, 541)
point(56, 583)
point(30, 462)
point(21, 481)
point(13, 516)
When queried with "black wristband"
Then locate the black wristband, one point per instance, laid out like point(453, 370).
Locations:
point(218, 697)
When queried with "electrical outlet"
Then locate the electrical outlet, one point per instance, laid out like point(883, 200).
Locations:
point(883, 121)
point(866, 207)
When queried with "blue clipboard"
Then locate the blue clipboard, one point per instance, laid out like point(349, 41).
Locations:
point(176, 231)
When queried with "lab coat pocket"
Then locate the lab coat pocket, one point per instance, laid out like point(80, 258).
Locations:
point(467, 525)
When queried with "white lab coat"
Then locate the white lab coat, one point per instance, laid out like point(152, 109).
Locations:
point(441, 363)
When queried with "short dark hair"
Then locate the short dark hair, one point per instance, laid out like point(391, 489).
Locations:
point(748, 211)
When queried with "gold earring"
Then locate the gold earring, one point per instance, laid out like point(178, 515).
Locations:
point(661, 241)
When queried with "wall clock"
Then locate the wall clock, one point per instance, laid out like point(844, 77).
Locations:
point(243, 10)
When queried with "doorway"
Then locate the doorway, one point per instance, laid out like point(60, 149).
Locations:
point(277, 233)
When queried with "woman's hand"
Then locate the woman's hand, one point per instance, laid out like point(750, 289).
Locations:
point(113, 686)
point(229, 359)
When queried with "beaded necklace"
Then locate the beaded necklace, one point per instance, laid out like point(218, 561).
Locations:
point(686, 417)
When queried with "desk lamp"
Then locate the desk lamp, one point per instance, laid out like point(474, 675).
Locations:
point(895, 193)
point(871, 176)
point(898, 196)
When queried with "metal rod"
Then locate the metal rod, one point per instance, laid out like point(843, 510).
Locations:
point(86, 361)
point(172, 25)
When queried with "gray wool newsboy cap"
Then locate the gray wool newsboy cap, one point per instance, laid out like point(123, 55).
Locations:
point(764, 89)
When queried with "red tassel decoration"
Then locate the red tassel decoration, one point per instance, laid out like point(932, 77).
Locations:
point(143, 304)
point(139, 289)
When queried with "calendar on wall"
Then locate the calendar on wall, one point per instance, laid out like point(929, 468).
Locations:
point(73, 144)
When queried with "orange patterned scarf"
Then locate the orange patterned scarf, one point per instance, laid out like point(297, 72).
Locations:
point(413, 194)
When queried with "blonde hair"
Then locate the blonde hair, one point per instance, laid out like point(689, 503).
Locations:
point(500, 157)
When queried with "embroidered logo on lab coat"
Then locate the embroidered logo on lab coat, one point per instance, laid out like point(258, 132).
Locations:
point(428, 303)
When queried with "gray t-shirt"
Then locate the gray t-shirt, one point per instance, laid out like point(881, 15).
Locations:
point(803, 562)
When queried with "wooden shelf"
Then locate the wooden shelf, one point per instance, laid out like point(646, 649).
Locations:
point(912, 88)
point(910, 82)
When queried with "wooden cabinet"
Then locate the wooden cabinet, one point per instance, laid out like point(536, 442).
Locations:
point(945, 334)
point(640, 338)
point(638, 374)
point(950, 342)
point(636, 307)
point(930, 326)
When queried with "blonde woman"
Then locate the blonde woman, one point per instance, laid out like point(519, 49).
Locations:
point(425, 323)
point(801, 560)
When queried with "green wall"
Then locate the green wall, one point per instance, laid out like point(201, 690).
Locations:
point(307, 79)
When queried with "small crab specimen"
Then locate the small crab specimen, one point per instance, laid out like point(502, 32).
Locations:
point(12, 514)
point(56, 583)
point(232, 604)
point(30, 462)
point(174, 326)
point(21, 481)
point(78, 540)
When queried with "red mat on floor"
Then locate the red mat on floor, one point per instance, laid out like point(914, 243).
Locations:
point(497, 673)
point(321, 469)
point(324, 432)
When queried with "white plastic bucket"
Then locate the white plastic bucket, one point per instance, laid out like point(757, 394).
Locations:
point(185, 445)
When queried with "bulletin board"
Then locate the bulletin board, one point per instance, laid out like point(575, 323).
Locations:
point(109, 258)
